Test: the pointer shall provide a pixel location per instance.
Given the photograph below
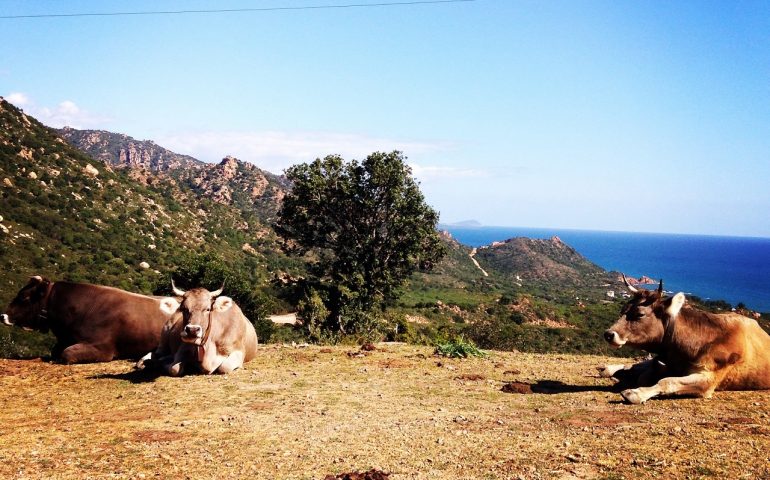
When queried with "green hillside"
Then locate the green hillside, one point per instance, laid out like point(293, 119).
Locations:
point(69, 216)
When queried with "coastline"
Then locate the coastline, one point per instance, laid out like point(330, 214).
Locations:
point(733, 269)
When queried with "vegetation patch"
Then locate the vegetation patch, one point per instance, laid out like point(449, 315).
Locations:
point(459, 348)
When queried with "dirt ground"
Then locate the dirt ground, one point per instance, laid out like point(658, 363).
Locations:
point(307, 413)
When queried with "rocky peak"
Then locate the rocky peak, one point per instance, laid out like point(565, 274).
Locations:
point(229, 166)
point(122, 151)
point(230, 182)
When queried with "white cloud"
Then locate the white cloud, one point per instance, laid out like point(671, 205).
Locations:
point(68, 114)
point(274, 151)
point(65, 114)
point(18, 99)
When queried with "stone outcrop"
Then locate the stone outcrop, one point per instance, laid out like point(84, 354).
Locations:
point(231, 182)
point(643, 280)
point(122, 151)
point(90, 170)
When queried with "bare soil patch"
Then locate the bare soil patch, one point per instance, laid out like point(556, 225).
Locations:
point(298, 413)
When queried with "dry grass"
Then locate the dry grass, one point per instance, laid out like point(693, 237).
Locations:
point(310, 412)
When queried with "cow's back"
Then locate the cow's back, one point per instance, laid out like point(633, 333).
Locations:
point(752, 370)
point(129, 323)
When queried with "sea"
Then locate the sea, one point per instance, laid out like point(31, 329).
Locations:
point(733, 269)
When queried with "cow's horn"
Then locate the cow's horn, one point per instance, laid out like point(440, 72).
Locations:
point(217, 293)
point(630, 287)
point(660, 287)
point(177, 291)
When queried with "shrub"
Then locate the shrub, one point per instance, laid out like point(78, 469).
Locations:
point(18, 343)
point(459, 347)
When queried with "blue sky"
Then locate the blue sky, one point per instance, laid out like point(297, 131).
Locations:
point(610, 115)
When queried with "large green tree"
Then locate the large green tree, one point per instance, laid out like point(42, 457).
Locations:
point(365, 227)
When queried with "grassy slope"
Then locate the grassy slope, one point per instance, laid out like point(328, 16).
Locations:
point(65, 223)
point(305, 413)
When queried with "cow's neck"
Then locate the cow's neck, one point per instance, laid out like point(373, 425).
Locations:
point(208, 356)
point(46, 299)
point(73, 302)
point(686, 334)
point(205, 344)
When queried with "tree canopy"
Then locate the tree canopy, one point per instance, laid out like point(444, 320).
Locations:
point(364, 225)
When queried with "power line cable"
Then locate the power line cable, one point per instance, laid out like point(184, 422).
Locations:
point(233, 10)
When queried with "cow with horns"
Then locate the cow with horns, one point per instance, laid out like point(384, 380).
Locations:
point(697, 352)
point(207, 332)
point(92, 323)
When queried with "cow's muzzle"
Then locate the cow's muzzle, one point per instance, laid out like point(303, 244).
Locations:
point(192, 332)
point(6, 319)
point(613, 338)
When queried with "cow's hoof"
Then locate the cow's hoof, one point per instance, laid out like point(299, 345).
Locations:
point(632, 395)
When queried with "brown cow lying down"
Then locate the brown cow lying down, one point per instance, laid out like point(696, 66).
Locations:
point(207, 333)
point(697, 352)
point(92, 323)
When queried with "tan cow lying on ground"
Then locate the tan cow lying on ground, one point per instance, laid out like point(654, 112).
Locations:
point(697, 352)
point(207, 333)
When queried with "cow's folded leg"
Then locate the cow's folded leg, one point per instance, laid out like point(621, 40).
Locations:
point(232, 362)
point(154, 360)
point(609, 371)
point(697, 384)
point(640, 374)
point(140, 364)
point(57, 350)
point(86, 353)
point(174, 366)
point(175, 369)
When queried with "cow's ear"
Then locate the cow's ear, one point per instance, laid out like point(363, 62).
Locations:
point(674, 304)
point(223, 304)
point(169, 305)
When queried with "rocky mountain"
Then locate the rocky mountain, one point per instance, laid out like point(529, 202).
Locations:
point(239, 184)
point(122, 151)
point(231, 182)
point(66, 215)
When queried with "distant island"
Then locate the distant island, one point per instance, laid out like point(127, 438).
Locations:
point(464, 223)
